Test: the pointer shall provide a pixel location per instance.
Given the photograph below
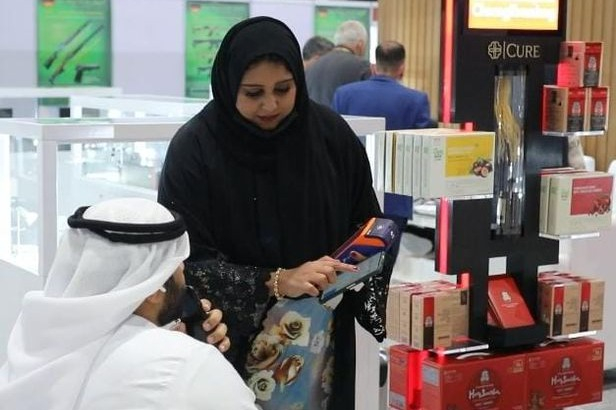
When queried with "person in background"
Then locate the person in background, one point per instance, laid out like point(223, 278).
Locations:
point(95, 336)
point(271, 183)
point(382, 95)
point(344, 64)
point(314, 48)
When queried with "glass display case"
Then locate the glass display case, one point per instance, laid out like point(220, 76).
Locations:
point(44, 101)
point(51, 166)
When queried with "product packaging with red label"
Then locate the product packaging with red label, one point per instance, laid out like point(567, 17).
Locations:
point(580, 64)
point(508, 305)
point(564, 109)
point(478, 382)
point(565, 374)
point(598, 103)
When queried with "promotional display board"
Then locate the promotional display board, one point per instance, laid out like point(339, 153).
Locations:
point(206, 25)
point(73, 43)
point(327, 19)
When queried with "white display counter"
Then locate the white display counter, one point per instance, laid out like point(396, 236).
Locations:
point(134, 105)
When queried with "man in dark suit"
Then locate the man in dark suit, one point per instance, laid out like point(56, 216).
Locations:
point(382, 95)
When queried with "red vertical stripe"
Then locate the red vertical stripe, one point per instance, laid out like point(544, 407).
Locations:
point(443, 235)
point(447, 62)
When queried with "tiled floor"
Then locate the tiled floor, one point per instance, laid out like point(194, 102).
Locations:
point(608, 403)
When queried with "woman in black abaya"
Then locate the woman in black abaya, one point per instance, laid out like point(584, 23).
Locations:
point(270, 183)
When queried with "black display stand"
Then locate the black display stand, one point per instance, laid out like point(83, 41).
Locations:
point(466, 242)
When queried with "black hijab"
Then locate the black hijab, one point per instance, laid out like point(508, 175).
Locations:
point(258, 197)
point(245, 43)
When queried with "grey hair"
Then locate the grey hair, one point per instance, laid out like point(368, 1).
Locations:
point(350, 33)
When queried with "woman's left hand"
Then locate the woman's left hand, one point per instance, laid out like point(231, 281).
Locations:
point(216, 329)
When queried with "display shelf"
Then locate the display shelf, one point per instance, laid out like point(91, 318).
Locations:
point(463, 345)
point(565, 338)
point(599, 133)
point(570, 236)
point(137, 105)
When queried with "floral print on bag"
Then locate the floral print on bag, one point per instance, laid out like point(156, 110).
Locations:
point(290, 363)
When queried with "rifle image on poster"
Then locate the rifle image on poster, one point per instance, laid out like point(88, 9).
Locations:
point(74, 52)
point(214, 42)
point(63, 44)
point(82, 68)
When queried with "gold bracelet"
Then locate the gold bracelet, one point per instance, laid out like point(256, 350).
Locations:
point(276, 280)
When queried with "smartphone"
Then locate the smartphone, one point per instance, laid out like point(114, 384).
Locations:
point(347, 280)
point(193, 314)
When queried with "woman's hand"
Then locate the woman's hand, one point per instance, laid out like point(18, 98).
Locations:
point(312, 277)
point(217, 329)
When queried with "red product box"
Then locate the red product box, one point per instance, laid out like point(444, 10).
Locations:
point(564, 109)
point(474, 382)
point(507, 303)
point(580, 64)
point(598, 103)
point(565, 374)
point(405, 377)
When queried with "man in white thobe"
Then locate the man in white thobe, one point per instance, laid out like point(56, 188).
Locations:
point(94, 338)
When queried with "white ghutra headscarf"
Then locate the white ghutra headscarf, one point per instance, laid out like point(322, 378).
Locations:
point(93, 286)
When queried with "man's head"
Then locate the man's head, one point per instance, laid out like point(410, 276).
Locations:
point(390, 57)
point(353, 35)
point(314, 48)
point(120, 251)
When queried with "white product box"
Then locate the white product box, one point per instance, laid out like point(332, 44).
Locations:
point(456, 165)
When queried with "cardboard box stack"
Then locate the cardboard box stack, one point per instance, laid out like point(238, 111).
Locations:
point(427, 315)
point(570, 303)
point(554, 376)
point(577, 102)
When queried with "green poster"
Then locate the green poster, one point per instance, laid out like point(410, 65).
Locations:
point(327, 19)
point(206, 25)
point(74, 43)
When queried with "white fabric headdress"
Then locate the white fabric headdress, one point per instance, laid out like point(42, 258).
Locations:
point(93, 286)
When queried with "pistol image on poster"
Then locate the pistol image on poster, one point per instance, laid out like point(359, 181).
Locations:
point(74, 52)
point(63, 44)
point(82, 68)
point(215, 42)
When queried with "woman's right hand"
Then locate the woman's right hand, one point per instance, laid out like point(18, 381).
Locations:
point(311, 277)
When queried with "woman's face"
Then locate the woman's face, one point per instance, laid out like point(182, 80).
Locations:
point(266, 94)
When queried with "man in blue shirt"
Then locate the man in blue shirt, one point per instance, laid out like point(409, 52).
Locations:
point(382, 95)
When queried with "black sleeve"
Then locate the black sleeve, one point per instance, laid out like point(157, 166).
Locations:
point(370, 302)
point(240, 292)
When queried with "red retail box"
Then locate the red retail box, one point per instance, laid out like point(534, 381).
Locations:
point(405, 377)
point(565, 374)
point(474, 382)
